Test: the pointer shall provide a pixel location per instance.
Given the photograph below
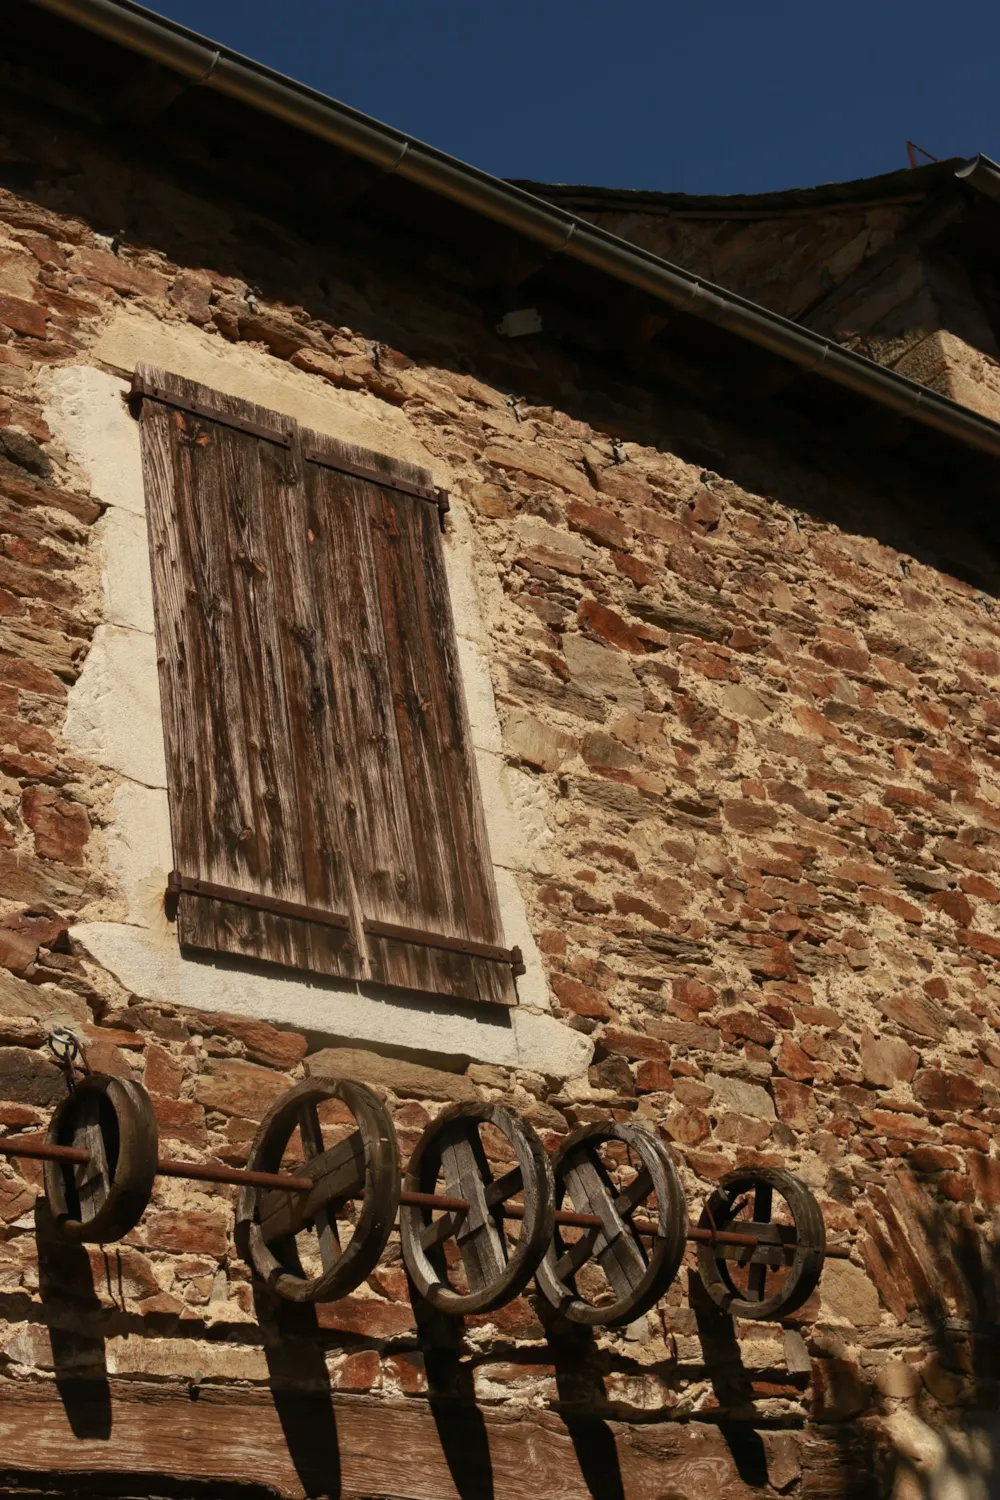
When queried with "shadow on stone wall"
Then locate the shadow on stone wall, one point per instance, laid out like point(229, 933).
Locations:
point(301, 1391)
point(74, 1316)
point(933, 1428)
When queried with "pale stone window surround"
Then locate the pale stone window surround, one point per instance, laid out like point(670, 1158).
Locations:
point(114, 717)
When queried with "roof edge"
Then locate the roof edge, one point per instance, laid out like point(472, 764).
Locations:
point(905, 185)
point(212, 66)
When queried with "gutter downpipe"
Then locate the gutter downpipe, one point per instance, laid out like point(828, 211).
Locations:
point(208, 66)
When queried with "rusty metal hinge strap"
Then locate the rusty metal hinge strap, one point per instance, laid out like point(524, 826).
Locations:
point(467, 946)
point(143, 389)
point(187, 885)
point(438, 497)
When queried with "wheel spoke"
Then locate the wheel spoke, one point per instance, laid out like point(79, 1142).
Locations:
point(324, 1218)
point(338, 1173)
point(479, 1240)
point(441, 1229)
point(757, 1275)
point(504, 1187)
point(577, 1254)
point(310, 1130)
point(93, 1178)
point(329, 1240)
point(775, 1245)
point(616, 1247)
point(637, 1192)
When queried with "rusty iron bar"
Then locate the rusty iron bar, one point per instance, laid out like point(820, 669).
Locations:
point(734, 1237)
point(416, 935)
point(140, 388)
point(507, 1210)
point(237, 1176)
point(42, 1150)
point(179, 885)
point(376, 476)
point(562, 1216)
point(593, 1221)
point(433, 1200)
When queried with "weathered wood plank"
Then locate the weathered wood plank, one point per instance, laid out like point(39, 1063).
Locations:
point(255, 479)
point(193, 638)
point(321, 756)
point(366, 776)
point(93, 1178)
point(295, 1445)
point(484, 1253)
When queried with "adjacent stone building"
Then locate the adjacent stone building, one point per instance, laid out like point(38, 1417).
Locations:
point(901, 267)
point(724, 607)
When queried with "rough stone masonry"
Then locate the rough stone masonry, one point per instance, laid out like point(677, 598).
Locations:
point(752, 757)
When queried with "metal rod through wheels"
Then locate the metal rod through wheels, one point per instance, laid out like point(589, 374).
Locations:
point(41, 1150)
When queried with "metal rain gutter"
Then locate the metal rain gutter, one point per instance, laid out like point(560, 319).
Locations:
point(203, 63)
point(982, 174)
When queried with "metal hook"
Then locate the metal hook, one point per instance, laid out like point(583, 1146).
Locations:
point(68, 1052)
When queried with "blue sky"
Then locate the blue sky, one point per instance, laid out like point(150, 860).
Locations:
point(720, 97)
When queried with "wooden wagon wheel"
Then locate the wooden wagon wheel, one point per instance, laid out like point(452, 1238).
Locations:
point(476, 1245)
point(103, 1198)
point(611, 1274)
point(791, 1251)
point(363, 1166)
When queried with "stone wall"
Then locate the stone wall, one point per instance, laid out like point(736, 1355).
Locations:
point(758, 753)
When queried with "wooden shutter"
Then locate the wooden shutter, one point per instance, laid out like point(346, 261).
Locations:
point(419, 845)
point(325, 809)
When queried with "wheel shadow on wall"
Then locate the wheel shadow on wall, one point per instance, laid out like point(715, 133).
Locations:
point(71, 1305)
point(299, 1381)
point(580, 1386)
